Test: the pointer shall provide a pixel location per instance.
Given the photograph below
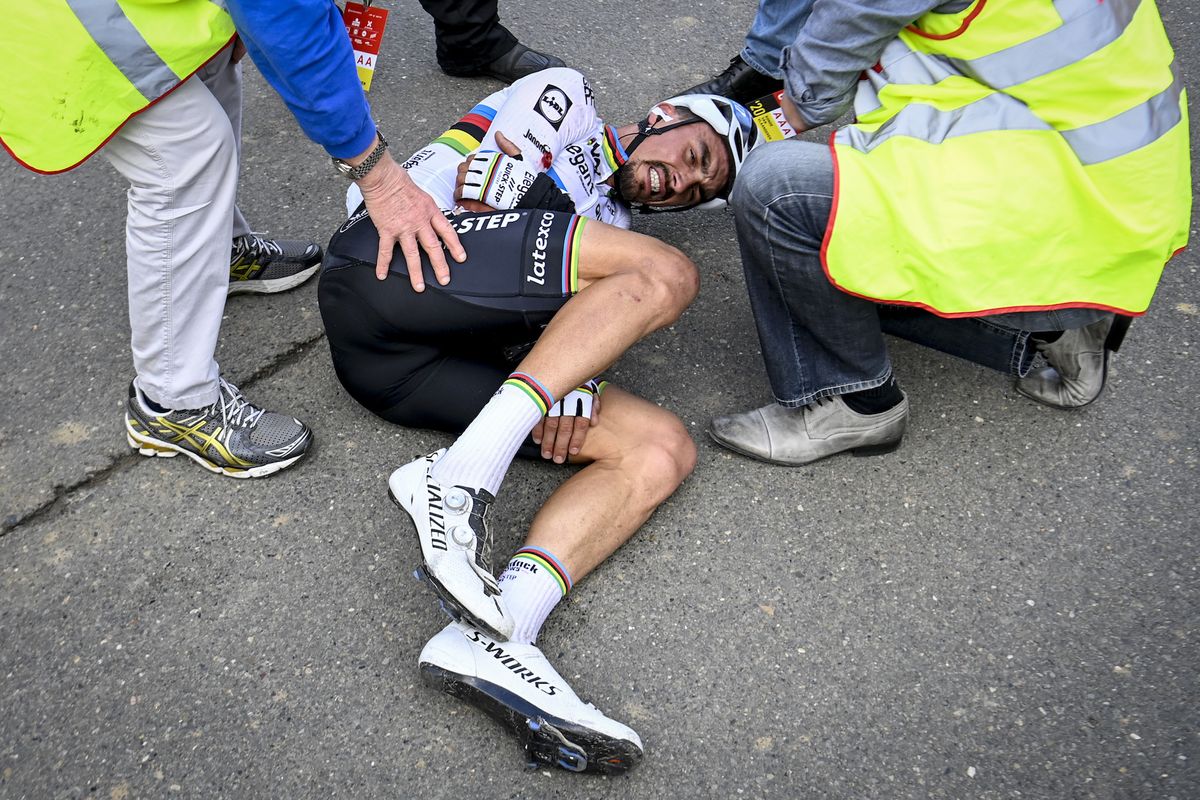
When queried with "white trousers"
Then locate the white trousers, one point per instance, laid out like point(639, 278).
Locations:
point(180, 157)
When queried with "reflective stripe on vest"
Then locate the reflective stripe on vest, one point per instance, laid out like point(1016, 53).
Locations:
point(72, 72)
point(108, 26)
point(1080, 35)
point(1111, 138)
point(1130, 130)
point(1035, 156)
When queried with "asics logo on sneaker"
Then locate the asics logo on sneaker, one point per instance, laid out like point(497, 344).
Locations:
point(191, 432)
point(513, 665)
point(437, 521)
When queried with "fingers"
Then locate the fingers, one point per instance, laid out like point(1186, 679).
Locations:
point(383, 258)
point(445, 231)
point(461, 180)
point(562, 442)
point(561, 437)
point(412, 259)
point(437, 259)
point(578, 435)
point(550, 426)
point(506, 146)
point(536, 433)
point(405, 213)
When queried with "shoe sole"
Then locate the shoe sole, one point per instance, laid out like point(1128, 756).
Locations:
point(548, 740)
point(157, 448)
point(424, 573)
point(272, 286)
point(883, 448)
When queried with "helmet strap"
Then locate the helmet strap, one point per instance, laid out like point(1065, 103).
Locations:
point(645, 128)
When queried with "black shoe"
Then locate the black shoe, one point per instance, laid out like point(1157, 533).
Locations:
point(516, 63)
point(740, 82)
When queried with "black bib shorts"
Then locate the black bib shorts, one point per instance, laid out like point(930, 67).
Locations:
point(433, 359)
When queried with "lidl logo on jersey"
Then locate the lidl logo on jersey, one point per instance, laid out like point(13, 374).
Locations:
point(553, 105)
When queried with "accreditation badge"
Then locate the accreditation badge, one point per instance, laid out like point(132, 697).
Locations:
point(768, 116)
point(364, 24)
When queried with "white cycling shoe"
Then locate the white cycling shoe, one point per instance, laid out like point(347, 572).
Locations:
point(515, 684)
point(455, 544)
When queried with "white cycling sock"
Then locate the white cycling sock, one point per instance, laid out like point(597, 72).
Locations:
point(532, 585)
point(480, 458)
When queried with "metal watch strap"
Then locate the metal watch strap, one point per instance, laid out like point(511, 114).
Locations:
point(359, 171)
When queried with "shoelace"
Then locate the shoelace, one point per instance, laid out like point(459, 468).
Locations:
point(255, 245)
point(236, 410)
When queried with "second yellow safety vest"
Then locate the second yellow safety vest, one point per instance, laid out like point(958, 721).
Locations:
point(1018, 155)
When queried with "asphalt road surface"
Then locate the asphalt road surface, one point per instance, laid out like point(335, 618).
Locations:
point(1006, 607)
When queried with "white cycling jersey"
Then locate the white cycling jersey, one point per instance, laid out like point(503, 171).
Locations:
point(551, 116)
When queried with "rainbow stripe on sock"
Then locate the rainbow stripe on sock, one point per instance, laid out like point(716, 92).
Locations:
point(529, 385)
point(548, 562)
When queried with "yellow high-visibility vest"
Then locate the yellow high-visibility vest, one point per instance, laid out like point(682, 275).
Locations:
point(1015, 156)
point(73, 71)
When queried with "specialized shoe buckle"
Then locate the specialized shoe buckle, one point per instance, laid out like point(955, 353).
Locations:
point(462, 535)
point(456, 500)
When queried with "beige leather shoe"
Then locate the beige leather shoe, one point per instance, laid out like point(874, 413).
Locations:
point(1078, 368)
point(794, 436)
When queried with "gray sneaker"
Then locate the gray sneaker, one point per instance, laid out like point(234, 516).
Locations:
point(264, 266)
point(230, 437)
point(793, 436)
point(1078, 367)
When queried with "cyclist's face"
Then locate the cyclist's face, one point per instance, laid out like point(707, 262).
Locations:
point(680, 167)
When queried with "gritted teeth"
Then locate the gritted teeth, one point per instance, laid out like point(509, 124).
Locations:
point(655, 181)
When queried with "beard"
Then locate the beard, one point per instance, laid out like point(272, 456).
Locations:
point(629, 186)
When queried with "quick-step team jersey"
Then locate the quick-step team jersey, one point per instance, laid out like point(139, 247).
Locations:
point(551, 116)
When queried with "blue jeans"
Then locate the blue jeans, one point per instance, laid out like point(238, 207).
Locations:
point(818, 341)
point(775, 27)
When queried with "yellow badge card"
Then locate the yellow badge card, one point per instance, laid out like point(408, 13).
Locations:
point(768, 116)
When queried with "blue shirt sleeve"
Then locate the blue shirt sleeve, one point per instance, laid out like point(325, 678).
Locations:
point(302, 49)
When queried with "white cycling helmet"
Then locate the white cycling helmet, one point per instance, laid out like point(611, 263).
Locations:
point(731, 121)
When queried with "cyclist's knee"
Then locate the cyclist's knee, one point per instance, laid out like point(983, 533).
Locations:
point(669, 280)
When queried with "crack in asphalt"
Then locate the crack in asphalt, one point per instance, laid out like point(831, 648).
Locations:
point(63, 494)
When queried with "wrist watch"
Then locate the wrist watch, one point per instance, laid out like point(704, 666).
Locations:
point(359, 171)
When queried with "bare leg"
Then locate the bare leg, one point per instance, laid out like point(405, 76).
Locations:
point(639, 455)
point(633, 285)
